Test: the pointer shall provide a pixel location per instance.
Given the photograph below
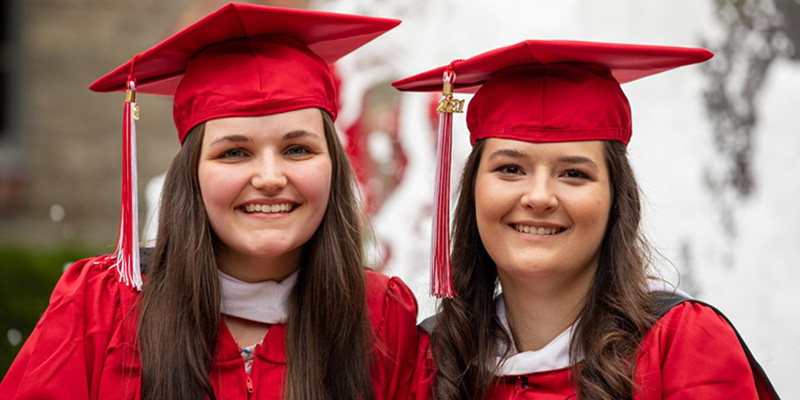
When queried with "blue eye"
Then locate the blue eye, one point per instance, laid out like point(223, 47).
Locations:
point(297, 151)
point(232, 153)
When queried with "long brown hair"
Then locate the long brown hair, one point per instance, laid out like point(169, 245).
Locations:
point(180, 302)
point(613, 322)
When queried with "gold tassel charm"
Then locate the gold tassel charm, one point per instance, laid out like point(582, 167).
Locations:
point(448, 104)
point(130, 97)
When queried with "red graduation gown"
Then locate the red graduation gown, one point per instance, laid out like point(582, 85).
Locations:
point(83, 346)
point(690, 353)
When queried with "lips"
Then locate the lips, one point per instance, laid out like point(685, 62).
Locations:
point(538, 230)
point(278, 208)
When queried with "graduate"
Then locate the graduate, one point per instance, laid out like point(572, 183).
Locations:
point(549, 296)
point(256, 287)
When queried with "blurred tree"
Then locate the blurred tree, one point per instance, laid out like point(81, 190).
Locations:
point(755, 33)
point(29, 275)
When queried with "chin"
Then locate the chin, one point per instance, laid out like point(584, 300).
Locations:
point(528, 269)
point(271, 251)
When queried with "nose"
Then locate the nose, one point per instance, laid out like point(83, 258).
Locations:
point(540, 196)
point(269, 175)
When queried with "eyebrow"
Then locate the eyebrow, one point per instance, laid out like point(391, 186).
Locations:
point(507, 153)
point(511, 153)
point(300, 133)
point(577, 160)
point(244, 139)
point(232, 138)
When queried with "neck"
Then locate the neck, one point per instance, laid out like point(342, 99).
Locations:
point(259, 269)
point(539, 309)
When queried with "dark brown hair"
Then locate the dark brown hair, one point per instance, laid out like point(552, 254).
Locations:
point(613, 322)
point(328, 351)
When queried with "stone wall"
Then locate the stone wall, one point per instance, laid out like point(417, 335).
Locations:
point(71, 137)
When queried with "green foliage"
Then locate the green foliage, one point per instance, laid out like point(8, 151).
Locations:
point(27, 276)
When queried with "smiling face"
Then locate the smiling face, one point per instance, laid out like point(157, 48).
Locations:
point(265, 183)
point(542, 208)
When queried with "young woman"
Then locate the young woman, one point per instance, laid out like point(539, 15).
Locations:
point(257, 287)
point(549, 209)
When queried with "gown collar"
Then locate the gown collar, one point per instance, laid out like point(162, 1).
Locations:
point(553, 356)
point(266, 302)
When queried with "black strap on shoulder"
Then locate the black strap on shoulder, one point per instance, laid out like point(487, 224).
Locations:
point(427, 324)
point(663, 302)
point(145, 255)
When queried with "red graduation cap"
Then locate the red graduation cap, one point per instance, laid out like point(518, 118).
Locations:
point(245, 60)
point(241, 60)
point(536, 91)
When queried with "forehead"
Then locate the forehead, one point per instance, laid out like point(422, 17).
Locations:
point(594, 149)
point(305, 120)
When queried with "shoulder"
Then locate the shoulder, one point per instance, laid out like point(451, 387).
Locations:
point(91, 280)
point(390, 303)
point(694, 315)
point(89, 291)
point(680, 317)
point(392, 311)
point(690, 324)
point(693, 350)
point(689, 319)
point(384, 291)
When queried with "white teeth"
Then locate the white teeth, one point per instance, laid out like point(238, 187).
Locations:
point(536, 231)
point(267, 208)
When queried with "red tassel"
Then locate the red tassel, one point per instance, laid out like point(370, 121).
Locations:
point(441, 279)
point(126, 255)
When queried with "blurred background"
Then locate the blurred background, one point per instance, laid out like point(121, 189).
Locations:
point(716, 147)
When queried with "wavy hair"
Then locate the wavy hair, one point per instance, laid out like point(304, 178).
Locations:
point(613, 322)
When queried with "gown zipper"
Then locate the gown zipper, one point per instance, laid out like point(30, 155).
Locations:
point(249, 387)
point(521, 383)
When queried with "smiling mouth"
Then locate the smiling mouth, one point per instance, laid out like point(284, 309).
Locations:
point(537, 230)
point(268, 208)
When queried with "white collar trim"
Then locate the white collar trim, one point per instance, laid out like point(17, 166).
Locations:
point(266, 302)
point(554, 355)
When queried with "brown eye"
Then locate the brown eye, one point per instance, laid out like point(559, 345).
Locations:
point(509, 169)
point(575, 174)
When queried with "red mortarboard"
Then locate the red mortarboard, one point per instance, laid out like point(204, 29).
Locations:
point(245, 60)
point(241, 60)
point(555, 89)
point(537, 91)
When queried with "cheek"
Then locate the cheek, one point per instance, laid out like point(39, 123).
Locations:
point(593, 211)
point(218, 186)
point(314, 183)
point(206, 180)
point(493, 199)
point(492, 202)
point(483, 203)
